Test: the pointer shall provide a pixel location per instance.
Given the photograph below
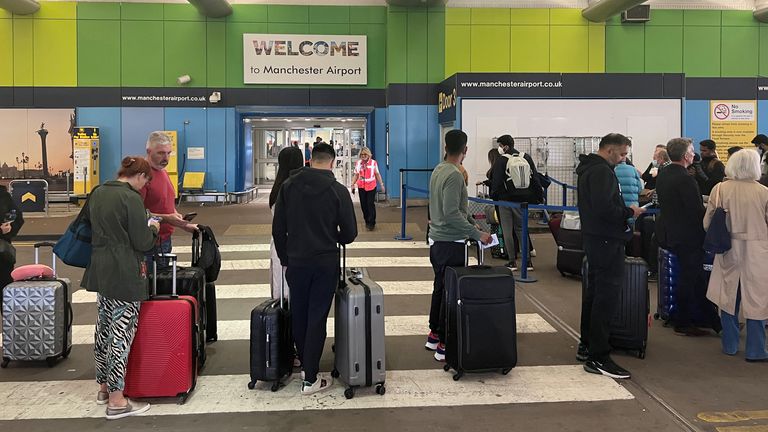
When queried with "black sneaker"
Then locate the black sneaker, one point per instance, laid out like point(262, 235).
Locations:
point(582, 353)
point(607, 368)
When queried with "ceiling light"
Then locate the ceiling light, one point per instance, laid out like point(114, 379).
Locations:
point(247, 120)
point(306, 119)
point(343, 120)
point(288, 120)
point(264, 119)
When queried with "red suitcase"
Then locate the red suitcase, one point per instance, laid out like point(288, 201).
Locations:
point(164, 356)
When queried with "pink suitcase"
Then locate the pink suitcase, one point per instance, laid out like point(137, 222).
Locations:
point(163, 362)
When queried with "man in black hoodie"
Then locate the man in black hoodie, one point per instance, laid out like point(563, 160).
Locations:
point(308, 247)
point(604, 226)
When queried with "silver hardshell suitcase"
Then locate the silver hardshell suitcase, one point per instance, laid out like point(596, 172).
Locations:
point(37, 318)
point(359, 332)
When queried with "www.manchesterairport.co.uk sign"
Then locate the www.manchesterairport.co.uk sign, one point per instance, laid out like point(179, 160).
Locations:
point(304, 59)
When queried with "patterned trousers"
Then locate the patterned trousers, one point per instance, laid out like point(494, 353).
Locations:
point(115, 330)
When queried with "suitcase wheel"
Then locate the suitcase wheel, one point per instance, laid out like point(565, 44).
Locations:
point(641, 354)
point(50, 361)
point(66, 353)
point(349, 393)
point(5, 362)
point(275, 386)
point(380, 389)
point(335, 373)
point(251, 385)
point(656, 316)
point(333, 348)
point(563, 274)
point(446, 368)
point(458, 376)
point(505, 371)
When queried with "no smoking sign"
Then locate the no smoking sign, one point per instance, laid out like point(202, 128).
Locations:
point(722, 111)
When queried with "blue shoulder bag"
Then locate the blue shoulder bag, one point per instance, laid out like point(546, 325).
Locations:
point(718, 239)
point(74, 247)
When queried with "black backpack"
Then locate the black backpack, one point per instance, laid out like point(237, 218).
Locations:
point(209, 258)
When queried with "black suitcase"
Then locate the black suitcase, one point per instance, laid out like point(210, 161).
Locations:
point(480, 321)
point(647, 228)
point(629, 326)
point(570, 252)
point(272, 350)
point(211, 329)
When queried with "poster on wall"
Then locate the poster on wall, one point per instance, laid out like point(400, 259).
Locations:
point(305, 59)
point(732, 123)
point(85, 142)
point(36, 143)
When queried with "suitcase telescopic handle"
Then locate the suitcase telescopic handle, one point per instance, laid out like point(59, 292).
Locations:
point(173, 258)
point(480, 252)
point(53, 255)
point(343, 248)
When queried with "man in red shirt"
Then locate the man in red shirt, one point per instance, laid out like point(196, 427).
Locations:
point(158, 195)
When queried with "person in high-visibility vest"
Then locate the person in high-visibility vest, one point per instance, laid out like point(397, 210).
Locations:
point(365, 179)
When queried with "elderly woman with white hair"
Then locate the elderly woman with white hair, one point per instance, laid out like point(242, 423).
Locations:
point(740, 276)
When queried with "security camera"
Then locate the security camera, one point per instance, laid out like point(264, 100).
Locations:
point(184, 79)
point(215, 97)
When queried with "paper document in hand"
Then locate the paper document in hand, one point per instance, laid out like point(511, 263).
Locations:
point(494, 242)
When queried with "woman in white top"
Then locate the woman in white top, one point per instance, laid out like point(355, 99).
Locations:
point(289, 159)
point(365, 180)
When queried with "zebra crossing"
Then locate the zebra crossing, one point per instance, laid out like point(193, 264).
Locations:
point(223, 390)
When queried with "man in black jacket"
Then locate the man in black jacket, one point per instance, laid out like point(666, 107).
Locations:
point(605, 230)
point(313, 214)
point(11, 221)
point(679, 228)
point(503, 189)
point(712, 169)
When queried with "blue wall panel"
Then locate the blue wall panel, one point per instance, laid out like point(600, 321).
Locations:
point(137, 123)
point(110, 146)
point(191, 134)
point(762, 117)
point(397, 147)
point(696, 121)
point(379, 142)
point(234, 168)
point(417, 147)
point(434, 140)
point(215, 153)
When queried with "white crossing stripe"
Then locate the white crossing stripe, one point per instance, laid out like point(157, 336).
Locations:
point(263, 264)
point(405, 388)
point(408, 325)
point(264, 247)
point(251, 291)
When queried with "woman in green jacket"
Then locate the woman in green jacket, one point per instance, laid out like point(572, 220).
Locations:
point(118, 273)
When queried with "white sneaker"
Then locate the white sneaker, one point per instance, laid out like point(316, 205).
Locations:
point(320, 384)
point(533, 252)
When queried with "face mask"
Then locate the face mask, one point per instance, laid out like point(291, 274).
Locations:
point(501, 150)
point(655, 163)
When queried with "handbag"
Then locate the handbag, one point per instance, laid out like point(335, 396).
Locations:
point(74, 247)
point(7, 252)
point(718, 239)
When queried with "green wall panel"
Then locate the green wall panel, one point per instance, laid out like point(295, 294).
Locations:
point(142, 11)
point(529, 49)
point(329, 14)
point(5, 14)
point(702, 18)
point(185, 53)
point(763, 61)
point(6, 52)
point(368, 14)
point(569, 48)
point(377, 48)
point(739, 18)
point(529, 16)
point(98, 53)
point(596, 48)
point(458, 42)
point(329, 29)
point(492, 16)
point(23, 48)
point(55, 53)
point(663, 49)
point(56, 10)
point(624, 49)
point(566, 17)
point(490, 48)
point(455, 16)
point(288, 28)
point(234, 50)
point(701, 51)
point(435, 46)
point(181, 12)
point(665, 17)
point(142, 57)
point(740, 50)
point(288, 14)
point(256, 13)
point(397, 47)
point(98, 11)
point(216, 55)
point(416, 59)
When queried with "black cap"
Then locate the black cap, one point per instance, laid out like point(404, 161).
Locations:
point(506, 140)
point(760, 139)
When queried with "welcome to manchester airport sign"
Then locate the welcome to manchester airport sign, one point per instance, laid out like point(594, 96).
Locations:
point(304, 59)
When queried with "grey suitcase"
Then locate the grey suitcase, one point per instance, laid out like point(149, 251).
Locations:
point(37, 318)
point(359, 332)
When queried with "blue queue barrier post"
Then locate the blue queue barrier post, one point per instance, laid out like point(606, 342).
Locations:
point(524, 277)
point(403, 207)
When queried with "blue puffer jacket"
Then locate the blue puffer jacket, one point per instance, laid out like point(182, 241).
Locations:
point(629, 180)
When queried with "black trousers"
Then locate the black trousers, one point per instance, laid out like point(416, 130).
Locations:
point(442, 254)
point(599, 302)
point(368, 205)
point(312, 290)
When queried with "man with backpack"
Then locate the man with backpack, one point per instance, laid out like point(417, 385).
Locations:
point(514, 178)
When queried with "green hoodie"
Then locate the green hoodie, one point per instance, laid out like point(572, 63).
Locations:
point(120, 239)
point(449, 220)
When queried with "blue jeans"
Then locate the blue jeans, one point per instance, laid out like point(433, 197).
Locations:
point(164, 247)
point(755, 334)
